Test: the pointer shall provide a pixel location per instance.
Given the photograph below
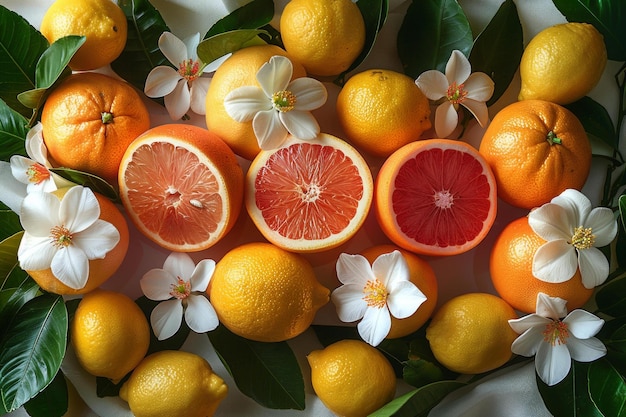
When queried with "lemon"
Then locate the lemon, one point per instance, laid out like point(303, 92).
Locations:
point(470, 333)
point(264, 293)
point(110, 334)
point(325, 36)
point(102, 22)
point(173, 383)
point(562, 63)
point(352, 378)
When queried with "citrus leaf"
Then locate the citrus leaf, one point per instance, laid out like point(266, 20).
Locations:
point(253, 15)
point(497, 51)
point(595, 119)
point(21, 45)
point(224, 43)
point(52, 401)
point(86, 179)
point(9, 222)
point(607, 16)
point(617, 340)
point(622, 210)
point(141, 53)
point(419, 372)
point(266, 372)
point(32, 349)
point(610, 298)
point(419, 402)
point(13, 131)
point(53, 62)
point(607, 388)
point(430, 31)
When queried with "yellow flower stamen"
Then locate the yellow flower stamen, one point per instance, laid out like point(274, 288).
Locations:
point(375, 294)
point(556, 332)
point(456, 93)
point(189, 69)
point(583, 238)
point(60, 236)
point(181, 289)
point(283, 100)
point(37, 173)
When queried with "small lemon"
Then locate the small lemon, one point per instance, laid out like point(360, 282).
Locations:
point(352, 378)
point(562, 63)
point(470, 333)
point(173, 383)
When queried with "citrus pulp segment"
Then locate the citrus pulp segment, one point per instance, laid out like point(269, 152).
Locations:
point(182, 187)
point(436, 197)
point(309, 196)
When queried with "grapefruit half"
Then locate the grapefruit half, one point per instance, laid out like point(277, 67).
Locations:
point(182, 186)
point(309, 196)
point(436, 197)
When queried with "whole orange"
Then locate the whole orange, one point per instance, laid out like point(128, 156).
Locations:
point(536, 150)
point(89, 120)
point(510, 266)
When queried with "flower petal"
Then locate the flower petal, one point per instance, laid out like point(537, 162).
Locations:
point(555, 261)
point(79, 209)
point(166, 318)
point(191, 45)
point(576, 203)
point(178, 101)
point(200, 314)
point(433, 84)
point(275, 75)
point(349, 302)
point(71, 267)
point(156, 284)
point(404, 299)
point(587, 350)
point(198, 91)
point(554, 308)
point(582, 324)
point(603, 225)
point(479, 87)
point(458, 68)
point(522, 324)
point(375, 325)
point(173, 48)
point(180, 265)
point(161, 81)
point(202, 275)
point(35, 146)
point(391, 267)
point(594, 267)
point(40, 213)
point(354, 269)
point(552, 222)
point(478, 109)
point(35, 253)
point(528, 342)
point(310, 93)
point(446, 119)
point(552, 363)
point(243, 103)
point(97, 240)
point(300, 124)
point(13, 191)
point(269, 130)
point(20, 166)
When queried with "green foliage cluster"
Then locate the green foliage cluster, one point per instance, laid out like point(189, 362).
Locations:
point(34, 324)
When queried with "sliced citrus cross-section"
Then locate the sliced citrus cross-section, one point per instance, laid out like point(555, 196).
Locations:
point(309, 196)
point(436, 197)
point(182, 186)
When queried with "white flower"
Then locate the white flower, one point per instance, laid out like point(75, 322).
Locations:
point(182, 284)
point(184, 87)
point(64, 235)
point(35, 170)
point(374, 292)
point(278, 107)
point(573, 232)
point(555, 341)
point(458, 86)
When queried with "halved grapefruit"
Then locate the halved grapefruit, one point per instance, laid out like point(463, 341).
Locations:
point(182, 186)
point(309, 196)
point(436, 197)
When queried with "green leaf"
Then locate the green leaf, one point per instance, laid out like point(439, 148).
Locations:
point(224, 43)
point(607, 16)
point(622, 210)
point(253, 15)
point(498, 49)
point(52, 401)
point(611, 300)
point(330, 334)
point(617, 339)
point(86, 179)
point(607, 388)
point(21, 45)
point(419, 372)
point(54, 61)
point(595, 119)
point(430, 31)
point(141, 53)
point(13, 131)
point(32, 349)
point(266, 372)
point(419, 402)
point(9, 222)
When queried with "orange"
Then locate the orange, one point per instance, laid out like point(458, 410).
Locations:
point(264, 293)
point(436, 197)
point(309, 196)
point(89, 120)
point(182, 187)
point(237, 71)
point(325, 36)
point(382, 110)
point(537, 149)
point(511, 271)
point(423, 276)
point(100, 270)
point(110, 334)
point(102, 22)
